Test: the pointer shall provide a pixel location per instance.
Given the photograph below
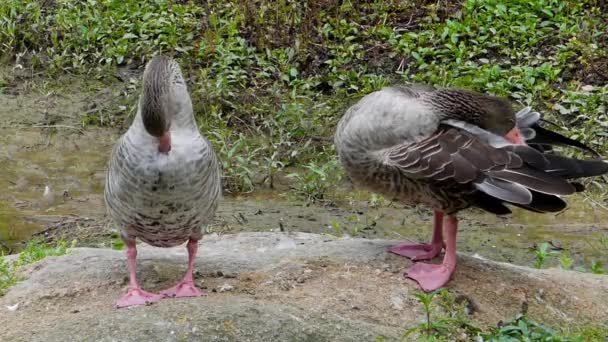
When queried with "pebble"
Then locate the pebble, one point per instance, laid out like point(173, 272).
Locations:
point(397, 303)
point(12, 308)
point(226, 288)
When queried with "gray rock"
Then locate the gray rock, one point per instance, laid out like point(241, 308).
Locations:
point(285, 287)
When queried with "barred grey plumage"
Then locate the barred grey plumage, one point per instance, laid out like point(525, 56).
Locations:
point(164, 199)
point(451, 149)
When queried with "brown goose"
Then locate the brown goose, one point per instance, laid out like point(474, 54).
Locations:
point(163, 181)
point(452, 149)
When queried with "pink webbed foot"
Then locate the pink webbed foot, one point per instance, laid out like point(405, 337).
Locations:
point(430, 277)
point(417, 251)
point(183, 289)
point(186, 288)
point(137, 296)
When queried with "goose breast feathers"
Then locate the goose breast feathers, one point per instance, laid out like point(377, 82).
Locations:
point(163, 198)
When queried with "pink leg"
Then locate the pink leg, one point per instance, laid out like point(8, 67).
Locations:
point(423, 251)
point(186, 288)
point(430, 276)
point(135, 295)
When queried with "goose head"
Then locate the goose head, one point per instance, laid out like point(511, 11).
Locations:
point(491, 113)
point(164, 97)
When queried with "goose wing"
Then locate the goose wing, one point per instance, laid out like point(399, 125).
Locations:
point(515, 174)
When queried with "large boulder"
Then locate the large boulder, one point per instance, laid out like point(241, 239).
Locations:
point(277, 287)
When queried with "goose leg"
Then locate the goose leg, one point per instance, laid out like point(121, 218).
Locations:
point(186, 287)
point(135, 295)
point(424, 251)
point(431, 277)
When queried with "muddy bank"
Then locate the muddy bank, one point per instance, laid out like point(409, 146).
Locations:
point(52, 158)
point(54, 168)
point(279, 286)
point(72, 166)
point(506, 240)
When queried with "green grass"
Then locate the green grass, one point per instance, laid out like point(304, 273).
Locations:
point(7, 276)
point(270, 79)
point(317, 179)
point(34, 251)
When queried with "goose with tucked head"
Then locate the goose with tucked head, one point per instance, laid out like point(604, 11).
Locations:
point(163, 181)
point(452, 149)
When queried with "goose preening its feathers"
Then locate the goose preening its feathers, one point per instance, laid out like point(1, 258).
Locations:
point(452, 149)
point(163, 181)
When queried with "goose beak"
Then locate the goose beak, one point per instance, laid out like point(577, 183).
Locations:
point(164, 143)
point(515, 136)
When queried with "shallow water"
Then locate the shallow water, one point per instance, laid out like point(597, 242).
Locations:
point(67, 167)
point(71, 163)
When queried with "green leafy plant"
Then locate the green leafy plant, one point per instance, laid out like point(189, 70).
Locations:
point(117, 243)
point(238, 159)
point(597, 267)
point(603, 240)
point(270, 80)
point(446, 320)
point(354, 224)
point(272, 166)
point(523, 329)
point(429, 327)
point(541, 253)
point(565, 260)
point(337, 227)
point(376, 201)
point(315, 182)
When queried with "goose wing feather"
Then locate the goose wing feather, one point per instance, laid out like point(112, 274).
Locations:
point(456, 156)
point(529, 123)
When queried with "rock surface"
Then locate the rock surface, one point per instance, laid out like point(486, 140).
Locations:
point(276, 287)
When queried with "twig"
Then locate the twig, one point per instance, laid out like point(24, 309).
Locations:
point(401, 65)
point(59, 224)
point(405, 28)
point(588, 198)
point(381, 45)
point(59, 126)
point(599, 72)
